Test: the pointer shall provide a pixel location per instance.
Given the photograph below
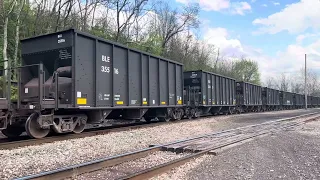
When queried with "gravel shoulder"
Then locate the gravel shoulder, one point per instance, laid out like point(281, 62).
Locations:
point(284, 155)
point(122, 170)
point(34, 159)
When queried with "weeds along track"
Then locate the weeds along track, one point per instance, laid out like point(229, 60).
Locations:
point(194, 147)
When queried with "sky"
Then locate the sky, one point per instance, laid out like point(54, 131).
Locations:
point(277, 34)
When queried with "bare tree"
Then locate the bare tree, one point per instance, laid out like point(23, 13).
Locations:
point(67, 12)
point(312, 83)
point(218, 58)
point(284, 83)
point(127, 10)
point(85, 9)
point(271, 83)
point(6, 12)
point(170, 22)
point(17, 33)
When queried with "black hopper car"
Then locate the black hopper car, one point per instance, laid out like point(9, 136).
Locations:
point(69, 79)
point(208, 93)
point(249, 97)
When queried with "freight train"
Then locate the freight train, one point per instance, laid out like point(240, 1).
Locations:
point(69, 79)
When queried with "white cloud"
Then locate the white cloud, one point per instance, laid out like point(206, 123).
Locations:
point(264, 5)
point(216, 5)
point(221, 5)
point(240, 8)
point(208, 5)
point(294, 18)
point(253, 1)
point(300, 38)
point(276, 3)
point(183, 1)
point(289, 61)
point(220, 38)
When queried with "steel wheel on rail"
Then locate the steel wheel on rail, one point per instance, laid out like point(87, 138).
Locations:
point(12, 131)
point(80, 125)
point(79, 128)
point(179, 114)
point(33, 128)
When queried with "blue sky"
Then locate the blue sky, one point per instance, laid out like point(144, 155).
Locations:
point(274, 33)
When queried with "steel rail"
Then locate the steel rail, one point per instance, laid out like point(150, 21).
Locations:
point(90, 166)
point(162, 168)
point(15, 143)
point(23, 141)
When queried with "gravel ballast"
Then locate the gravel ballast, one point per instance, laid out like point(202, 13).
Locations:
point(284, 155)
point(34, 159)
point(130, 167)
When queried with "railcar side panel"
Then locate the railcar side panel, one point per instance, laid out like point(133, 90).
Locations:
point(299, 99)
point(216, 90)
point(179, 84)
point(120, 76)
point(145, 80)
point(204, 88)
point(286, 98)
point(209, 86)
point(248, 94)
point(154, 82)
point(270, 96)
point(84, 68)
point(102, 74)
point(164, 83)
point(172, 83)
point(309, 100)
point(104, 79)
point(135, 81)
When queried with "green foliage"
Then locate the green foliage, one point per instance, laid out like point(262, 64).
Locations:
point(100, 32)
point(151, 45)
point(14, 92)
point(3, 89)
point(187, 49)
point(242, 70)
point(1, 48)
point(247, 70)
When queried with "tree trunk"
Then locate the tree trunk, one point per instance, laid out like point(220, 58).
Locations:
point(5, 39)
point(16, 47)
point(15, 57)
point(5, 45)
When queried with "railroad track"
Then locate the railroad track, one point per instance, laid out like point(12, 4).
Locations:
point(23, 141)
point(196, 147)
point(26, 141)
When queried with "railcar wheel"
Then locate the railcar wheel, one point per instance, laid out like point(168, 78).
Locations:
point(196, 114)
point(12, 131)
point(189, 113)
point(178, 114)
point(80, 126)
point(33, 129)
point(232, 110)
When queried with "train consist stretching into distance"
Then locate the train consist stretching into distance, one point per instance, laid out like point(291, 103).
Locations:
point(70, 78)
